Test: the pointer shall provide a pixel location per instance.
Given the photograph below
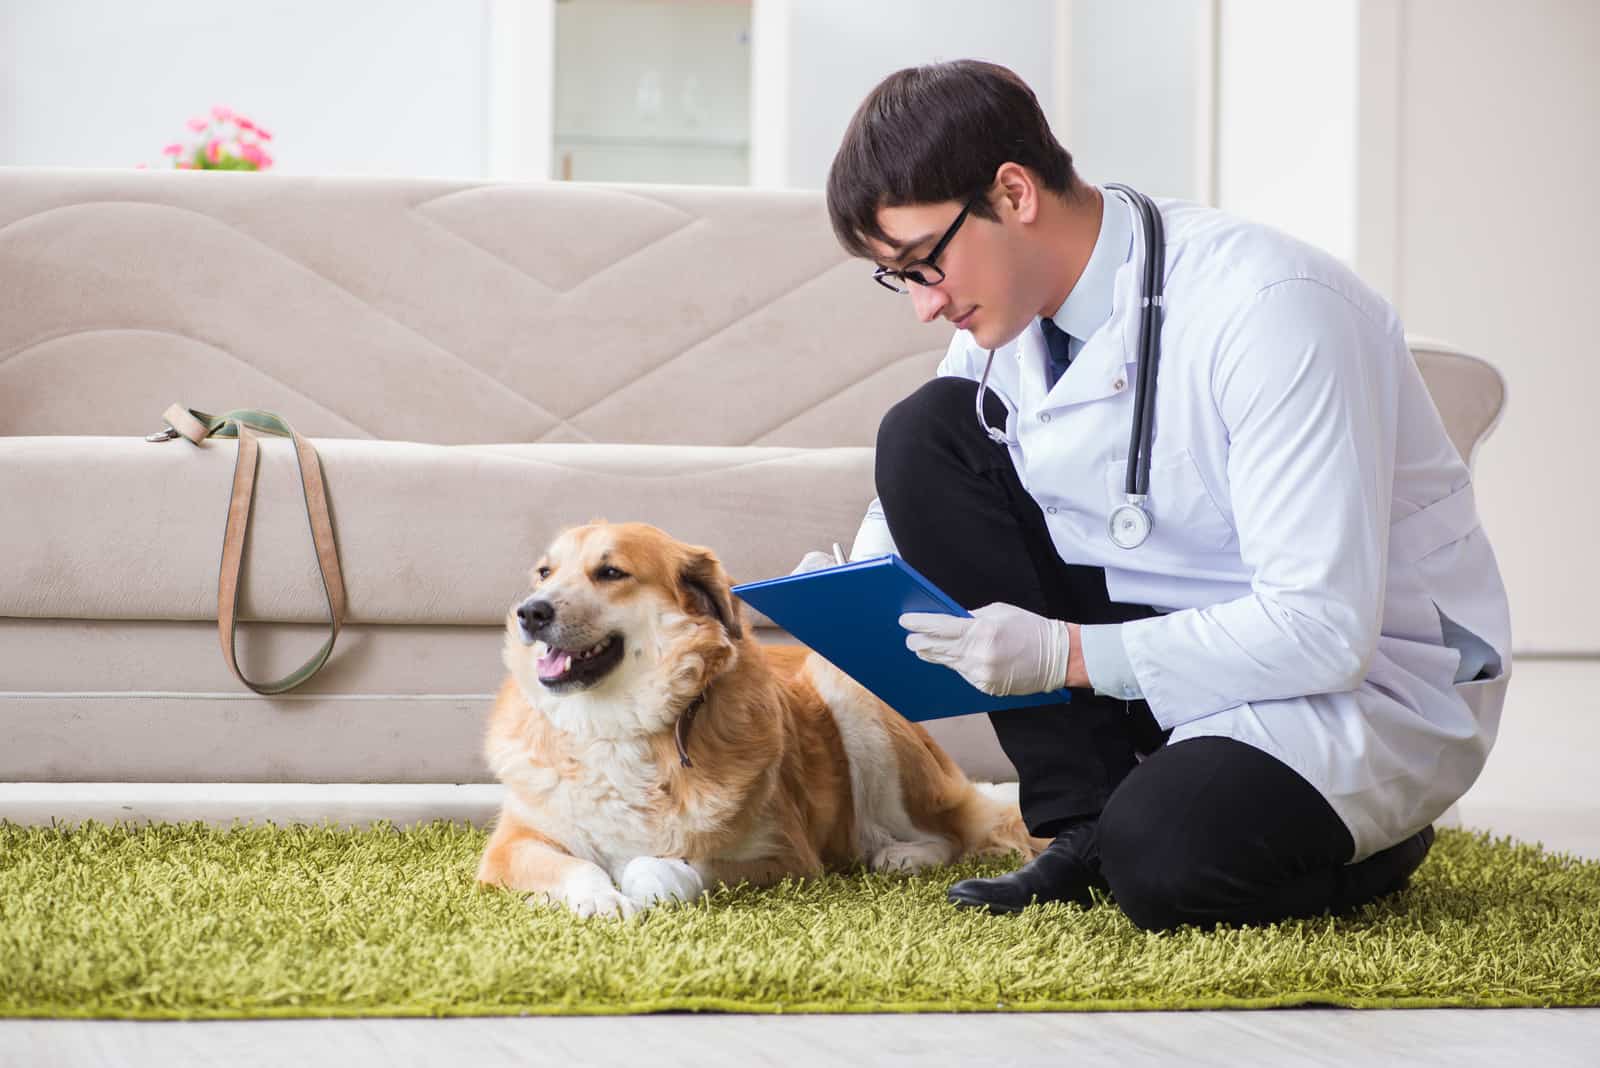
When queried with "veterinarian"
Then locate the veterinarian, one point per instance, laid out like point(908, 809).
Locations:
point(1287, 642)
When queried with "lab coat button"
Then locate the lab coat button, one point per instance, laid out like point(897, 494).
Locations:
point(1119, 385)
point(1051, 509)
point(1045, 418)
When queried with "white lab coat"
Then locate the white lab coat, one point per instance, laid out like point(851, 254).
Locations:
point(1312, 520)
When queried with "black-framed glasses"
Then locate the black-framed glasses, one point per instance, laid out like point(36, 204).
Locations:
point(924, 272)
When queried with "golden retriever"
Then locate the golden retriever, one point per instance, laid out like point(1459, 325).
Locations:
point(651, 746)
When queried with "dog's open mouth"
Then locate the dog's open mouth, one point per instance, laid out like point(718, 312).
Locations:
point(560, 668)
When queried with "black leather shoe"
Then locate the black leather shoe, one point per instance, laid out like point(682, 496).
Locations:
point(1408, 857)
point(1386, 872)
point(1067, 869)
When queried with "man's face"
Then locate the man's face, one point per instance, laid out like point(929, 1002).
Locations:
point(979, 292)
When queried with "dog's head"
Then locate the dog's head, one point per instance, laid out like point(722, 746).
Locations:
point(622, 610)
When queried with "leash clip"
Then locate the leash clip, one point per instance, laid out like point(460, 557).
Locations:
point(162, 435)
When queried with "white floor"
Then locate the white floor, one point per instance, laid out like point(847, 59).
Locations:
point(1538, 786)
point(1457, 1038)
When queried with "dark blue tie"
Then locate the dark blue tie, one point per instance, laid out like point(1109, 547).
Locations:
point(1060, 344)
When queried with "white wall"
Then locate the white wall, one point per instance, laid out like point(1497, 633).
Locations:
point(1286, 131)
point(816, 59)
point(1124, 83)
point(1445, 148)
point(520, 109)
point(346, 88)
point(1137, 101)
point(1500, 121)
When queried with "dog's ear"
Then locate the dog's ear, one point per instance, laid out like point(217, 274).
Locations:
point(706, 590)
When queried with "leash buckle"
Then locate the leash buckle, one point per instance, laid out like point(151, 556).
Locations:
point(162, 435)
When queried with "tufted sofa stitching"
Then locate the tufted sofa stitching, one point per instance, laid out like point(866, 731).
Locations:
point(841, 391)
point(554, 290)
point(218, 350)
point(340, 287)
point(615, 190)
point(640, 378)
point(579, 424)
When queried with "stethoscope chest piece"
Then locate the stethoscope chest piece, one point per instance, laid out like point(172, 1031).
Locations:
point(1129, 526)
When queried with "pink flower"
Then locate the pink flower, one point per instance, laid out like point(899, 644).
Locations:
point(218, 146)
point(141, 166)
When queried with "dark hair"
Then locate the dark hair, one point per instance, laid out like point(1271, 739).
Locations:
point(935, 133)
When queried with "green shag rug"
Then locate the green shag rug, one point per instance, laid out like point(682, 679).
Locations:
point(170, 921)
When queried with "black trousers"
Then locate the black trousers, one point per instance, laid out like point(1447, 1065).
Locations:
point(1208, 830)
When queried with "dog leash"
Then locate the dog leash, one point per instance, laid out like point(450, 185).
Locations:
point(197, 426)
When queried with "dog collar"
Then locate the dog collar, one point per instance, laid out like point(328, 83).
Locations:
point(681, 731)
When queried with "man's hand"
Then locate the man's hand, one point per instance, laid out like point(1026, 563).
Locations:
point(813, 561)
point(1003, 650)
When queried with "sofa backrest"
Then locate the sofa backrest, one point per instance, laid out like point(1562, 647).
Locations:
point(469, 312)
point(443, 311)
point(1469, 391)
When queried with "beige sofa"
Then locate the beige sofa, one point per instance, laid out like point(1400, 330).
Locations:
point(479, 365)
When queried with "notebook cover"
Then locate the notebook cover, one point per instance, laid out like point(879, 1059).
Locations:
point(850, 615)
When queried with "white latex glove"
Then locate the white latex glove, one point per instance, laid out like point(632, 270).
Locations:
point(1003, 650)
point(814, 561)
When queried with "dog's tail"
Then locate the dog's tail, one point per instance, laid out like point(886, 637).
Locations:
point(990, 823)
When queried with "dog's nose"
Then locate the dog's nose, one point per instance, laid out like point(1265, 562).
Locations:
point(535, 615)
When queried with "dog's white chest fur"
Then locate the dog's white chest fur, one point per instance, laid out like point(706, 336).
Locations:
point(605, 809)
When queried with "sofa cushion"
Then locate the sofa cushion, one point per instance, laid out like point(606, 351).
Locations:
point(121, 528)
point(428, 309)
point(151, 701)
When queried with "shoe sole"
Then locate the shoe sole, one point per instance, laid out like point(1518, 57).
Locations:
point(988, 906)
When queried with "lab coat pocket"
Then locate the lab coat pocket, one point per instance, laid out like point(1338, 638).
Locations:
point(1184, 516)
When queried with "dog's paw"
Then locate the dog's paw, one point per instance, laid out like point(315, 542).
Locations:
point(910, 856)
point(590, 893)
point(647, 880)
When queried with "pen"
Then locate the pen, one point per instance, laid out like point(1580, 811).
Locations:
point(838, 555)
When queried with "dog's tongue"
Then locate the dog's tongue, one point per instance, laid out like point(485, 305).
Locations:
point(554, 664)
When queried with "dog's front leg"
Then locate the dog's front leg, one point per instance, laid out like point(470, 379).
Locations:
point(521, 858)
point(647, 880)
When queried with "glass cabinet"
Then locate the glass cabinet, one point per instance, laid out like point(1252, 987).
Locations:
point(652, 91)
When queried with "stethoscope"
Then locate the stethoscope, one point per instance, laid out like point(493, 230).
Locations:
point(1130, 523)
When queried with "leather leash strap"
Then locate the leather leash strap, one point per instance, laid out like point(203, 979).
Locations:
point(197, 426)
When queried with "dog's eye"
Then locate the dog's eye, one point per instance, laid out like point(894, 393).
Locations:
point(544, 572)
point(609, 573)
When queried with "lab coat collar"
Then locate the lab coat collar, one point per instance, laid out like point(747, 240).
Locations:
point(1106, 364)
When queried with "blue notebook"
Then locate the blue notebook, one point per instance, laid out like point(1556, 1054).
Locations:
point(850, 614)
